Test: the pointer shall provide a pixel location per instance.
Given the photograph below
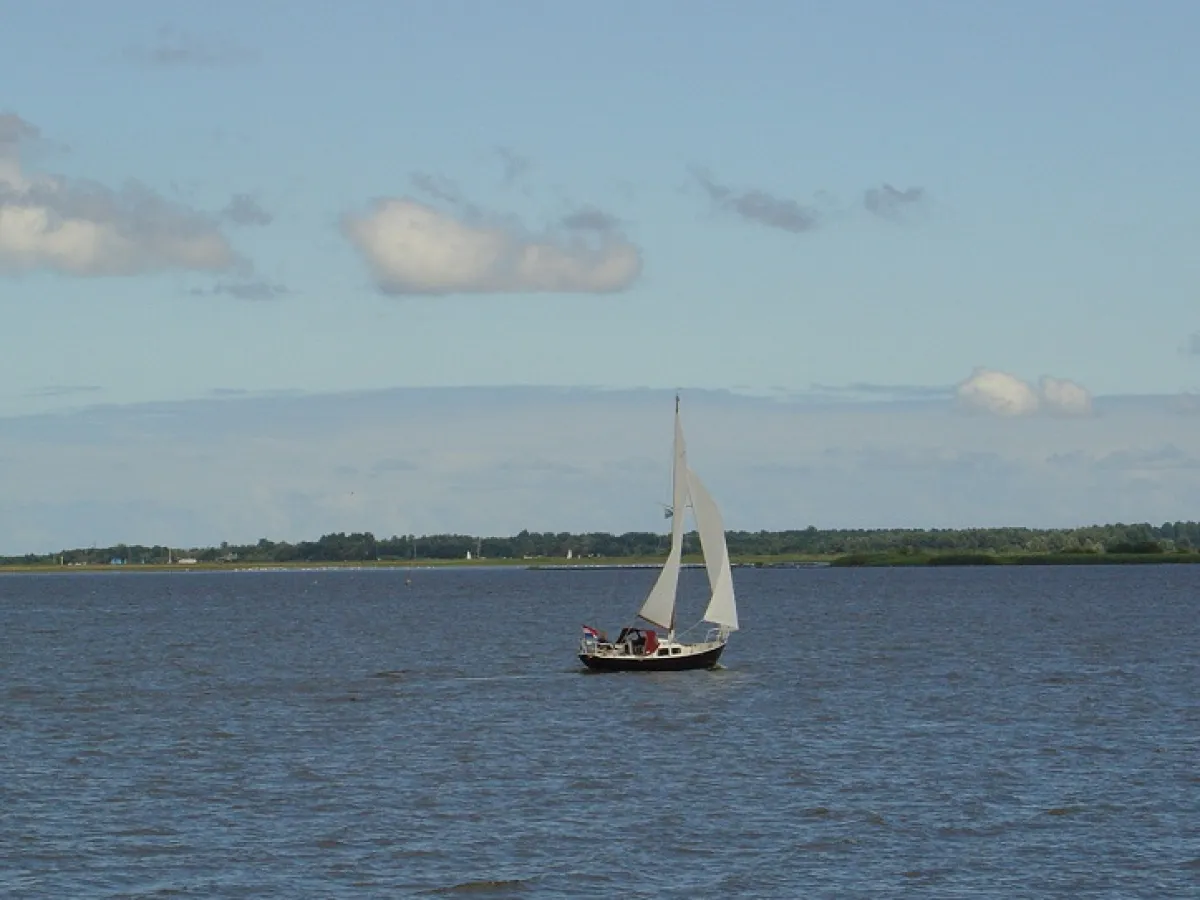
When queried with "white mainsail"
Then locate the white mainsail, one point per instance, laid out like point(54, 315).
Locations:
point(722, 610)
point(659, 607)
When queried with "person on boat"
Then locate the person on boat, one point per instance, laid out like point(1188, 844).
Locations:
point(629, 638)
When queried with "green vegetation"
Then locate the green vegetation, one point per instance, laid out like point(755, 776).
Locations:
point(1119, 543)
point(1013, 559)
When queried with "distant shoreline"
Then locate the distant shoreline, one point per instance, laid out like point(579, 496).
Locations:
point(897, 560)
point(852, 560)
point(1093, 544)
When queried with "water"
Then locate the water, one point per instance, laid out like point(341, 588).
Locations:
point(874, 733)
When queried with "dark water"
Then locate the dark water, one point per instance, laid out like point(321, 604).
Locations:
point(875, 733)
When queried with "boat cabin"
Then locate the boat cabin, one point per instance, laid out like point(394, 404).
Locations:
point(638, 641)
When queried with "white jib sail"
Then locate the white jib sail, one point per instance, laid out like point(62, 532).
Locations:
point(659, 607)
point(722, 610)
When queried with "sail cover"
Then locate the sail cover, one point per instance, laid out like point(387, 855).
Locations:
point(659, 607)
point(722, 610)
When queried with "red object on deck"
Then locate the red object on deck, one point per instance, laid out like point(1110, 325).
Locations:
point(651, 641)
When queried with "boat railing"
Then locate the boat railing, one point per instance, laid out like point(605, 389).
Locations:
point(592, 645)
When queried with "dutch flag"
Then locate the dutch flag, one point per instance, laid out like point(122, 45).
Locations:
point(590, 632)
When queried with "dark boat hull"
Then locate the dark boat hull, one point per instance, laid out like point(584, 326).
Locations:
point(705, 660)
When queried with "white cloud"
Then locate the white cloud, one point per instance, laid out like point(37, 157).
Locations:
point(1002, 394)
point(48, 222)
point(1065, 397)
point(413, 248)
point(988, 390)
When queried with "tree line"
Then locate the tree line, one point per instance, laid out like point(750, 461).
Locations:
point(807, 542)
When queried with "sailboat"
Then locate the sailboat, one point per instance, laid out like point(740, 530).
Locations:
point(639, 649)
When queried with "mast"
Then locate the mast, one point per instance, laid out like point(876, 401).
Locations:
point(659, 607)
point(676, 510)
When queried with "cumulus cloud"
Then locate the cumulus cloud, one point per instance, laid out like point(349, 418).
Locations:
point(171, 48)
point(1002, 394)
point(242, 209)
point(988, 390)
point(759, 206)
point(80, 228)
point(414, 248)
point(889, 202)
point(1064, 397)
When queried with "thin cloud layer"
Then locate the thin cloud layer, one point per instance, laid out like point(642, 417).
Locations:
point(414, 248)
point(175, 49)
point(889, 202)
point(85, 229)
point(759, 206)
point(883, 392)
point(590, 219)
point(443, 189)
point(496, 460)
point(14, 129)
point(515, 165)
point(245, 290)
point(776, 211)
point(242, 209)
point(1002, 394)
point(64, 390)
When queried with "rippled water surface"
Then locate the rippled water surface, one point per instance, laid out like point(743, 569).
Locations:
point(1013, 732)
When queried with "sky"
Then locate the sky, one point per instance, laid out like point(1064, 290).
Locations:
point(274, 270)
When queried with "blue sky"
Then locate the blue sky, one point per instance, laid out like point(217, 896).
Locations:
point(213, 205)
